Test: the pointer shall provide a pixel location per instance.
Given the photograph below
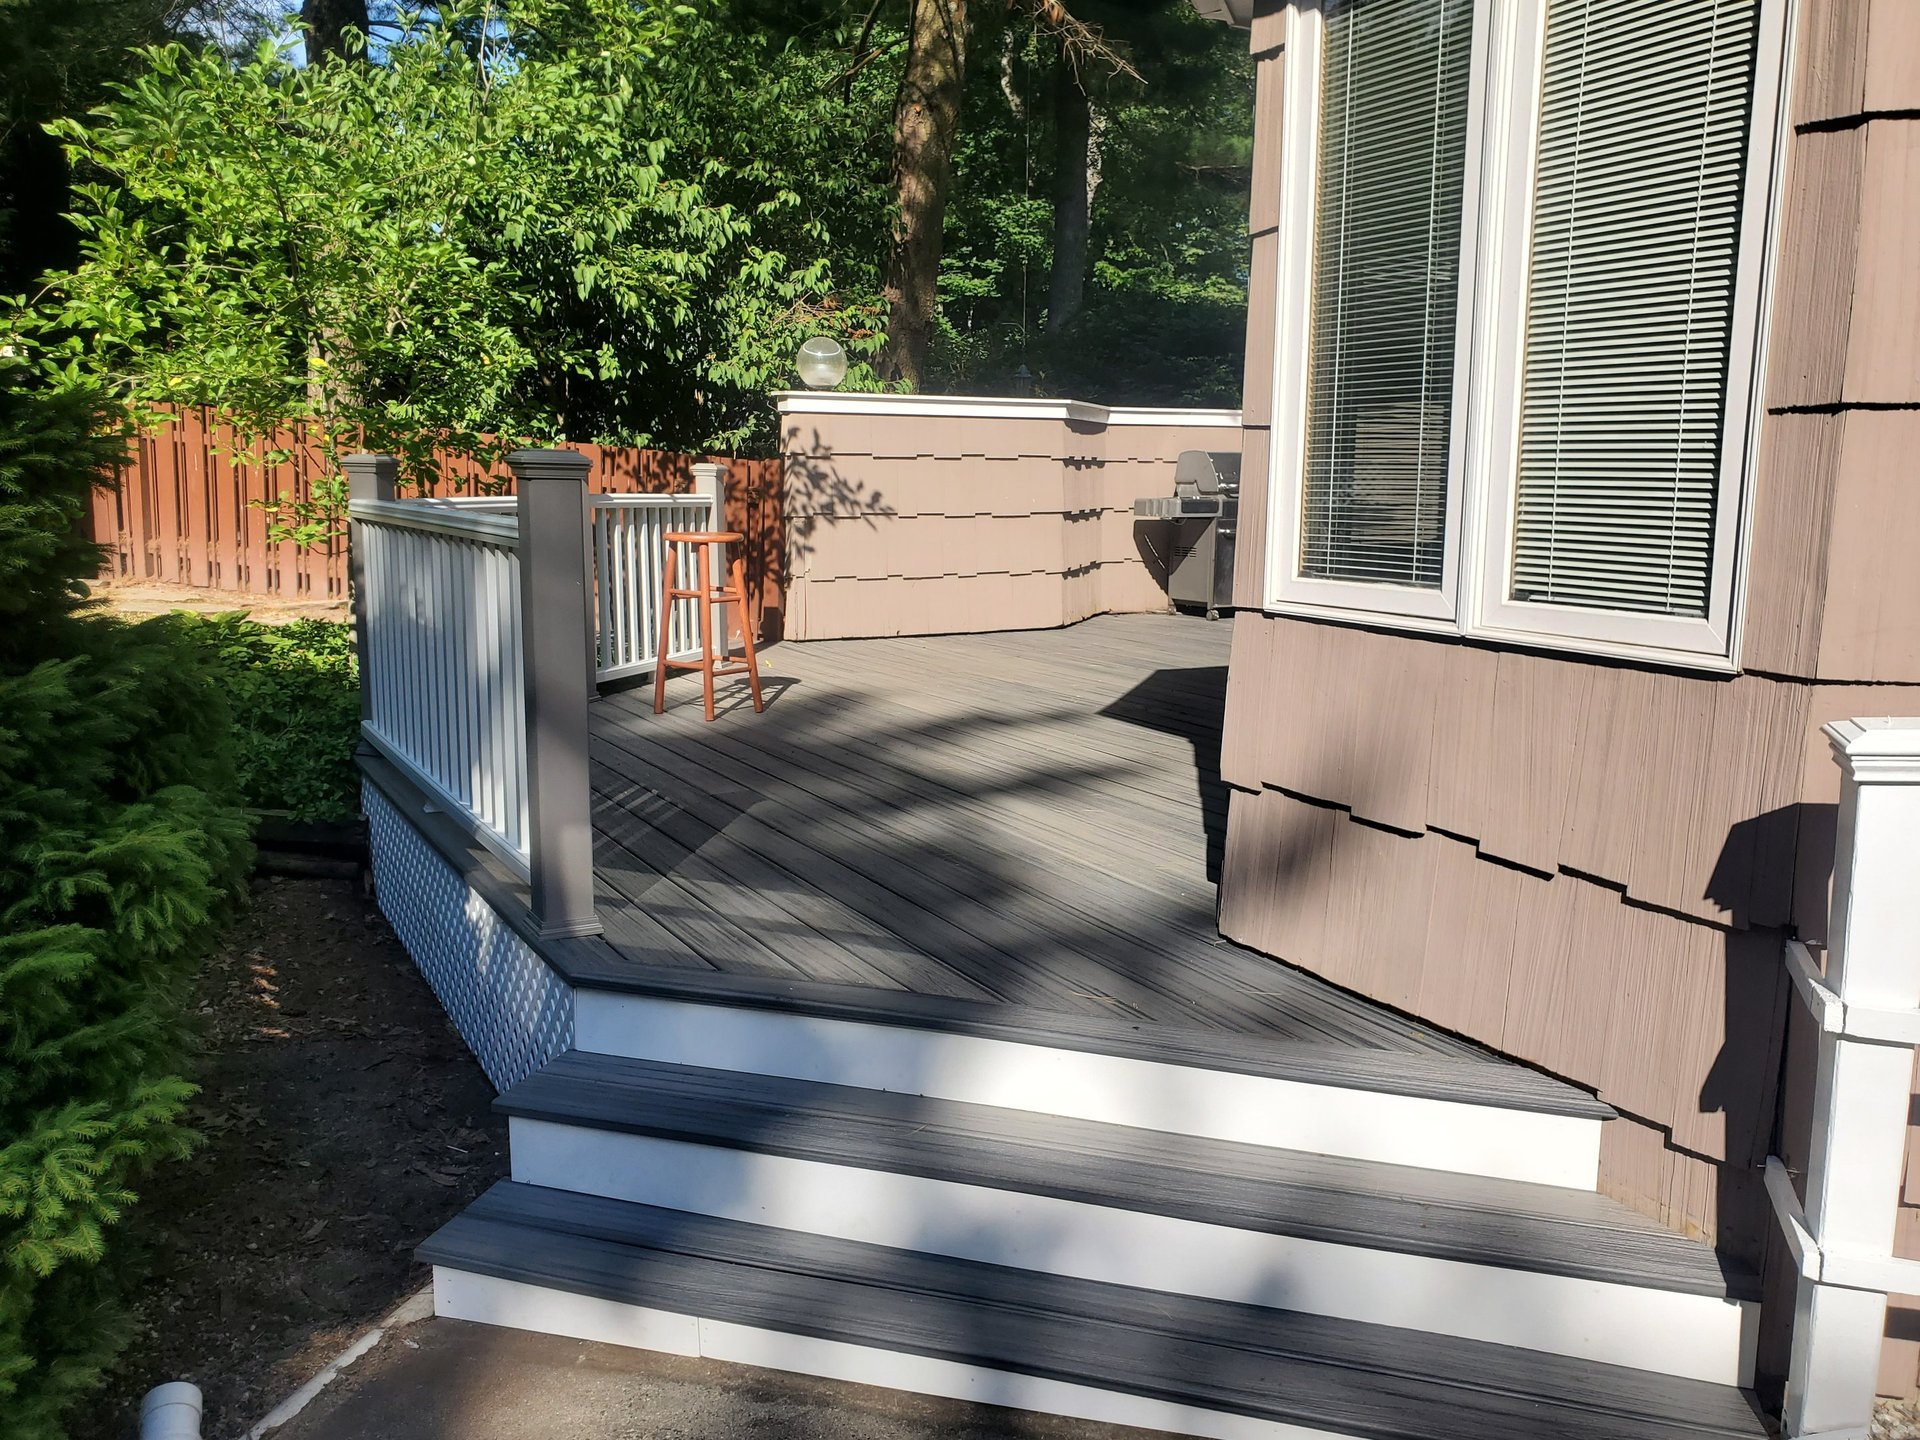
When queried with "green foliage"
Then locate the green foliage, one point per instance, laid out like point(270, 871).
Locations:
point(571, 221)
point(119, 846)
point(294, 690)
point(1164, 317)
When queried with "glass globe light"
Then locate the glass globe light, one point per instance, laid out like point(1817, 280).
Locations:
point(821, 362)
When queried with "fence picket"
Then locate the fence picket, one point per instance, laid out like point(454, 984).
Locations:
point(187, 512)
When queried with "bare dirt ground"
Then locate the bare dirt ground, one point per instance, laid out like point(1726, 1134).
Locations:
point(448, 1380)
point(138, 601)
point(344, 1121)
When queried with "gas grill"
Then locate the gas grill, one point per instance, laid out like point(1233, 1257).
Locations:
point(1201, 517)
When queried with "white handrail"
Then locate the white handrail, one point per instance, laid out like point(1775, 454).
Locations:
point(440, 517)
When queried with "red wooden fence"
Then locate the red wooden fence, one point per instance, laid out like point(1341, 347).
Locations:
point(184, 511)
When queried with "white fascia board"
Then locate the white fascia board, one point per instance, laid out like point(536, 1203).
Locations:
point(997, 407)
point(1152, 415)
point(962, 407)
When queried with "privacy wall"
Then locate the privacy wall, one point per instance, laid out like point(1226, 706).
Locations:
point(1592, 865)
point(929, 515)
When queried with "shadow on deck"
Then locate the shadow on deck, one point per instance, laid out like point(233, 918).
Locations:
point(1030, 820)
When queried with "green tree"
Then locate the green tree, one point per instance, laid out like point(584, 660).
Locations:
point(1141, 297)
point(119, 846)
point(568, 221)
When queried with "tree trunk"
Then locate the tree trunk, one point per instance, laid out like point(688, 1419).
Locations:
point(1072, 196)
point(327, 22)
point(926, 122)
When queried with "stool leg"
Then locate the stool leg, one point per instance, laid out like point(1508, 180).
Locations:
point(746, 633)
point(706, 628)
point(666, 629)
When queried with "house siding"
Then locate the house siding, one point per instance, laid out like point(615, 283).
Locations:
point(1593, 865)
point(917, 522)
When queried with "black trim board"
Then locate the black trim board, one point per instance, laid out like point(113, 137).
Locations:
point(1341, 1376)
point(595, 963)
point(1471, 1219)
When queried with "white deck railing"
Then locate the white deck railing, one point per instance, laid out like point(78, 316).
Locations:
point(629, 580)
point(445, 678)
point(443, 673)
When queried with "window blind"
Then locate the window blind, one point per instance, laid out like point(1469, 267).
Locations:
point(1641, 158)
point(1386, 270)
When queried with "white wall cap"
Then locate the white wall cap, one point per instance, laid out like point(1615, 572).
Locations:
point(1883, 749)
point(996, 407)
point(1230, 12)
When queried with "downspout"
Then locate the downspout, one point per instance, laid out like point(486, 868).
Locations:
point(1867, 1007)
point(171, 1412)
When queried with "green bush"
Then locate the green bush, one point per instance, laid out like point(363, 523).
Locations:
point(120, 846)
point(295, 694)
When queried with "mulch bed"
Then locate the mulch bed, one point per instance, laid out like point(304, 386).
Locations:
point(344, 1121)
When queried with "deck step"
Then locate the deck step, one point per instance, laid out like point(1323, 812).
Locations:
point(1480, 1115)
point(609, 1270)
point(1495, 1260)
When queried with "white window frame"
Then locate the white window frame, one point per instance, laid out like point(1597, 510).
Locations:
point(1496, 223)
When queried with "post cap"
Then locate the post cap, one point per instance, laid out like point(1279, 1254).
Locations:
point(550, 464)
point(1881, 749)
point(371, 477)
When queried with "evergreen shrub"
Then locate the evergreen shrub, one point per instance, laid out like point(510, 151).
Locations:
point(120, 846)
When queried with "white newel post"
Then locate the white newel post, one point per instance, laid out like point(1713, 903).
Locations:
point(1868, 1007)
point(558, 676)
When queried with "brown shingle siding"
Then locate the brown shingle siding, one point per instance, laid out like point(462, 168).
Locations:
point(1830, 60)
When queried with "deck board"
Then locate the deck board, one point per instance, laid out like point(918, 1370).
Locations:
point(1031, 820)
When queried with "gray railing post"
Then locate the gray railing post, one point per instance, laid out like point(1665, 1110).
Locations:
point(554, 598)
point(369, 477)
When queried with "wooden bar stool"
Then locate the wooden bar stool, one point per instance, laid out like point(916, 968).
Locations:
point(734, 593)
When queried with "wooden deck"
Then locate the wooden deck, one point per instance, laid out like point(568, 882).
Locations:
point(1028, 820)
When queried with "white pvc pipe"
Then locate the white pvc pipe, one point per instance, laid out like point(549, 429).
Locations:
point(171, 1412)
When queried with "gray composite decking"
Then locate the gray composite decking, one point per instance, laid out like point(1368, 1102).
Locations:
point(1028, 821)
point(1470, 1218)
point(1308, 1370)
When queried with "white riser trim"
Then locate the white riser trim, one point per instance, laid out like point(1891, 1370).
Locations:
point(1218, 1104)
point(458, 1295)
point(1675, 1334)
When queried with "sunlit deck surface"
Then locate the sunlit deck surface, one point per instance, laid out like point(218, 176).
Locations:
point(1027, 821)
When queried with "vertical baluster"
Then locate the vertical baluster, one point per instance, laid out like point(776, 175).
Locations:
point(623, 582)
point(607, 651)
point(645, 601)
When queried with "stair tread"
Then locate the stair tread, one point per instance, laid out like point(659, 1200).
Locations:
point(1485, 1079)
point(1338, 1375)
point(1474, 1219)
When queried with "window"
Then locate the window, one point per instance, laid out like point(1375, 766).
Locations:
point(1386, 277)
point(1522, 245)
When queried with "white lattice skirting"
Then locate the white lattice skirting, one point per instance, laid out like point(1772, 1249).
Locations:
point(514, 1013)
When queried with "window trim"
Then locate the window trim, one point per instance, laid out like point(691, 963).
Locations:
point(1305, 36)
point(1496, 213)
